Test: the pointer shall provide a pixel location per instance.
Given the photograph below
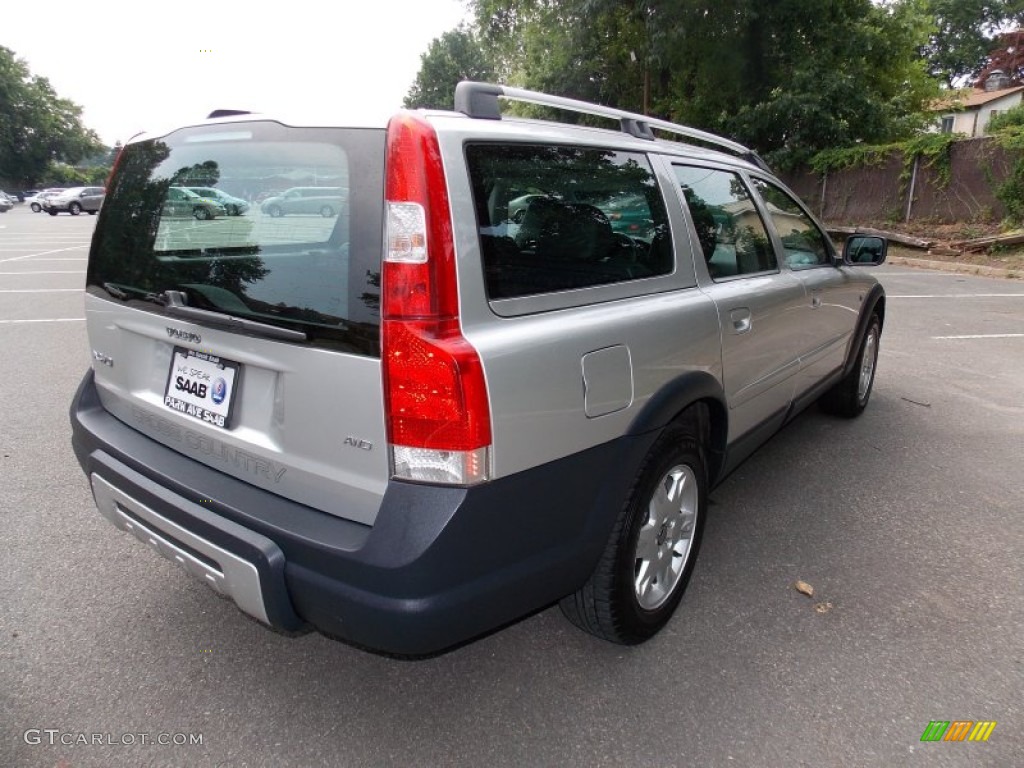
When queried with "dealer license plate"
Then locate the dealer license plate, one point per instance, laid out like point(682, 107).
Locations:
point(202, 386)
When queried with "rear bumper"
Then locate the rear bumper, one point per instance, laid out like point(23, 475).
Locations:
point(438, 567)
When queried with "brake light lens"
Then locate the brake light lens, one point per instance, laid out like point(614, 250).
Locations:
point(438, 416)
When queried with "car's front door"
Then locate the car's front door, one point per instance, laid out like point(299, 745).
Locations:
point(831, 311)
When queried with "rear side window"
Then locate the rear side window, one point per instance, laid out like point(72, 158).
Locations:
point(556, 218)
point(315, 268)
point(731, 232)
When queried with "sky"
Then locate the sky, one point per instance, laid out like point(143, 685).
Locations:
point(142, 65)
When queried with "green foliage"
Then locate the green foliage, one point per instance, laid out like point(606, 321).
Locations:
point(834, 74)
point(963, 35)
point(931, 149)
point(64, 175)
point(36, 126)
point(789, 78)
point(1005, 56)
point(857, 156)
point(838, 83)
point(1011, 118)
point(934, 149)
point(455, 56)
point(1009, 134)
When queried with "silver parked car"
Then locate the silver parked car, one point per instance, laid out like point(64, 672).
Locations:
point(447, 406)
point(75, 200)
point(323, 201)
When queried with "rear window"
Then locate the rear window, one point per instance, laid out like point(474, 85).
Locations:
point(313, 268)
point(556, 218)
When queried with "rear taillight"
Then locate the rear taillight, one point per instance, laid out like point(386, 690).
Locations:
point(438, 417)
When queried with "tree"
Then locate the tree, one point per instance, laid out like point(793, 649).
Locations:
point(1007, 56)
point(963, 35)
point(37, 127)
point(455, 56)
point(844, 73)
point(789, 77)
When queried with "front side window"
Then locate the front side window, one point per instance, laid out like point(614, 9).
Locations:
point(732, 235)
point(804, 245)
point(556, 218)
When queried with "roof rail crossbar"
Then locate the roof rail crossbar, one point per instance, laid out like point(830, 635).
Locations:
point(480, 100)
point(227, 113)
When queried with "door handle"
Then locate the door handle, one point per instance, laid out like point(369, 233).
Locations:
point(741, 319)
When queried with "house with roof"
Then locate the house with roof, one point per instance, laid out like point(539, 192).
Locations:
point(968, 111)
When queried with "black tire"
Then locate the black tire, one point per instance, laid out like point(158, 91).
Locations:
point(518, 216)
point(326, 211)
point(36, 207)
point(275, 211)
point(201, 213)
point(608, 605)
point(74, 209)
point(234, 211)
point(850, 396)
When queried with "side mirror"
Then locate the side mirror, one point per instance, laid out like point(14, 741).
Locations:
point(865, 250)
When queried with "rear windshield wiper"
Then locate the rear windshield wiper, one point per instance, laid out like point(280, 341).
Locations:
point(174, 303)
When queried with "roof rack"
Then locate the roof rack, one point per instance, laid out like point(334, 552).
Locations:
point(480, 100)
point(227, 113)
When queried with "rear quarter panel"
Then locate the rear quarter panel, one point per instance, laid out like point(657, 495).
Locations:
point(533, 362)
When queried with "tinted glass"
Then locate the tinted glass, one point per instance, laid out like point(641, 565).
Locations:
point(805, 245)
point(732, 235)
point(316, 270)
point(554, 218)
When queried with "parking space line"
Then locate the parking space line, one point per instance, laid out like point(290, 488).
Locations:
point(42, 290)
point(30, 245)
point(929, 274)
point(956, 296)
point(45, 320)
point(984, 336)
point(51, 272)
point(43, 253)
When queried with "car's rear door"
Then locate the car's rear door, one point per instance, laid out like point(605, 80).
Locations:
point(92, 198)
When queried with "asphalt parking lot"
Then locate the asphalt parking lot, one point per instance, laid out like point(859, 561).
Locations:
point(907, 522)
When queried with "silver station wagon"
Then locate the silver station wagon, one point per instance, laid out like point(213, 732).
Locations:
point(464, 393)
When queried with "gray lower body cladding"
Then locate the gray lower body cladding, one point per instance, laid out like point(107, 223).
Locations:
point(440, 566)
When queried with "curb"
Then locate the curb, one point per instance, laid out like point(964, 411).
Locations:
point(956, 266)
